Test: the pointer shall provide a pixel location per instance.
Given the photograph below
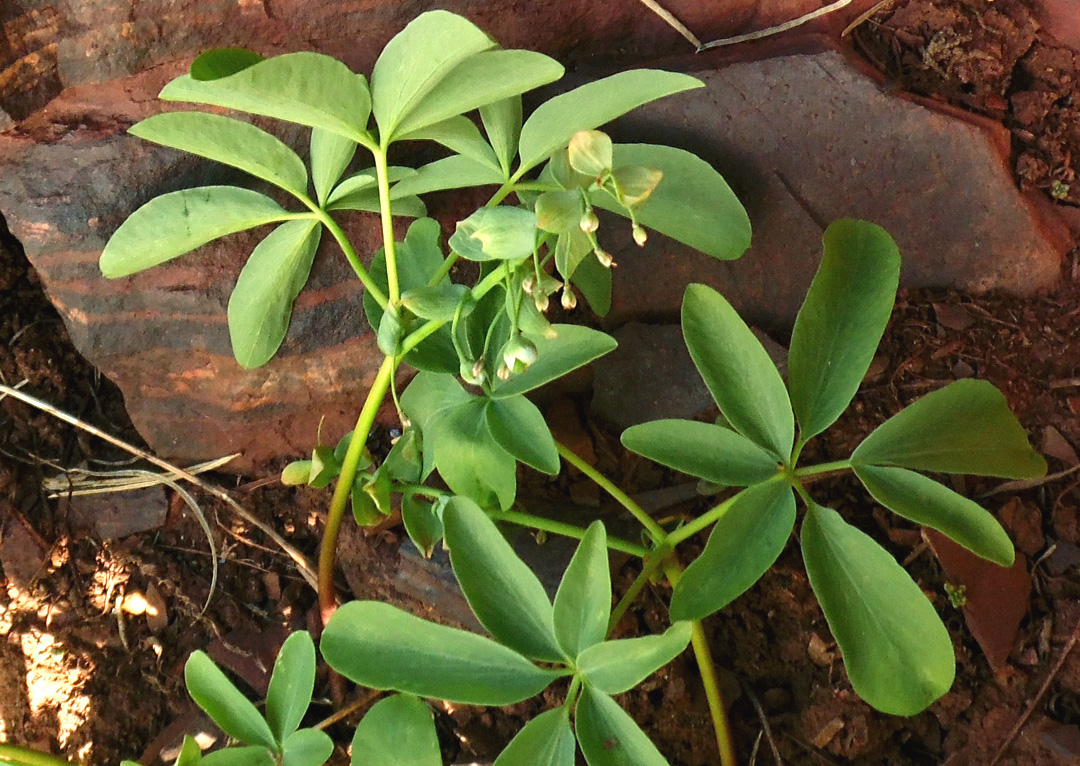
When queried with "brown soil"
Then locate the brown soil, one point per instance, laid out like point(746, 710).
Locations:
point(77, 679)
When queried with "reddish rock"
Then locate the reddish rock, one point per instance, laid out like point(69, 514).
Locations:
point(807, 138)
point(1061, 18)
point(46, 47)
point(803, 139)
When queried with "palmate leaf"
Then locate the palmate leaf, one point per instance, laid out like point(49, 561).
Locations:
point(382, 647)
point(260, 306)
point(224, 703)
point(229, 141)
point(583, 602)
point(291, 685)
point(965, 427)
point(502, 591)
point(896, 650)
point(330, 156)
point(307, 747)
point(416, 60)
point(469, 459)
point(176, 223)
point(281, 87)
point(692, 203)
point(518, 427)
point(589, 106)
point(502, 123)
point(925, 501)
point(705, 450)
point(481, 79)
point(610, 737)
point(841, 322)
point(454, 172)
point(616, 666)
point(741, 377)
point(397, 731)
point(743, 544)
point(460, 135)
point(546, 740)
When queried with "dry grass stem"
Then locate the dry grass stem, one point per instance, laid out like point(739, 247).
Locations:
point(770, 31)
point(673, 22)
point(306, 570)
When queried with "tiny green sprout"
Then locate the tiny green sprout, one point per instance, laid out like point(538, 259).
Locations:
point(1059, 190)
point(957, 594)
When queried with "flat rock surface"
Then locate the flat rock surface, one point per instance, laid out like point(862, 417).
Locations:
point(49, 45)
point(651, 376)
point(802, 138)
point(807, 138)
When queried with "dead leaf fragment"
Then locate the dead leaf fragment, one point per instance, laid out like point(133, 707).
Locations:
point(1024, 523)
point(827, 732)
point(820, 652)
point(157, 617)
point(997, 597)
point(1053, 444)
point(953, 317)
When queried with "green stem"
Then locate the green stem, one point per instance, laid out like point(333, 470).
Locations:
point(815, 470)
point(566, 530)
point(389, 245)
point(572, 693)
point(712, 515)
point(23, 756)
point(343, 489)
point(444, 271)
point(655, 530)
point(655, 560)
point(346, 247)
point(707, 670)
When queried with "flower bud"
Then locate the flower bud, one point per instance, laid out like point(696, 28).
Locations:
point(503, 372)
point(529, 284)
point(589, 222)
point(473, 374)
point(541, 301)
point(604, 257)
point(569, 298)
point(640, 235)
point(518, 353)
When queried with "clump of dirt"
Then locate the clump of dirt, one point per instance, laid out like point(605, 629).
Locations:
point(988, 56)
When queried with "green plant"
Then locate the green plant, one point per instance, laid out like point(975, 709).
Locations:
point(897, 652)
point(480, 349)
point(273, 739)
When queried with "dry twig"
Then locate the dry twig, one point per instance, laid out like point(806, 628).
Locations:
point(770, 31)
point(302, 564)
point(1015, 731)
